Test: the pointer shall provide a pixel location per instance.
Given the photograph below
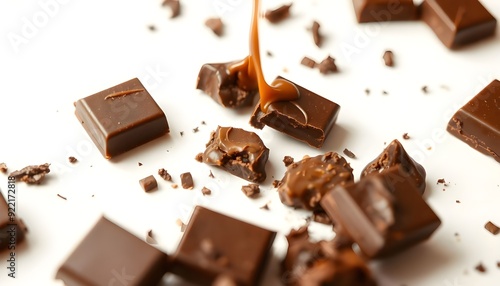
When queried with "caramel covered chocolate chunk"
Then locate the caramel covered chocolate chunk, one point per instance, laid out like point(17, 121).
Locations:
point(393, 155)
point(214, 244)
point(224, 86)
point(306, 181)
point(477, 123)
point(384, 10)
point(458, 22)
point(121, 118)
point(382, 213)
point(239, 152)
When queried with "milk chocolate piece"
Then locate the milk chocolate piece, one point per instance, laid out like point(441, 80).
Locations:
point(12, 229)
point(457, 23)
point(214, 244)
point(278, 14)
point(307, 181)
point(394, 154)
point(309, 118)
point(3, 168)
point(382, 213)
point(308, 62)
point(317, 37)
point(327, 65)
point(187, 180)
point(251, 190)
point(33, 174)
point(388, 58)
point(148, 183)
point(224, 87)
point(216, 25)
point(121, 118)
point(174, 5)
point(384, 10)
point(239, 152)
point(109, 255)
point(477, 123)
point(492, 228)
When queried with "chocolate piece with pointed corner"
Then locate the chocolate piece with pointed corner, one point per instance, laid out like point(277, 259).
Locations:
point(384, 10)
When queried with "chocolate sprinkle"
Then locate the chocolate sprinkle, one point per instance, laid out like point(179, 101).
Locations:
point(318, 39)
point(62, 197)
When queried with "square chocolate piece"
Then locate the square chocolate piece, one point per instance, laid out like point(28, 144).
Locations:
point(308, 118)
point(109, 255)
point(477, 123)
point(12, 230)
point(121, 118)
point(216, 245)
point(458, 22)
point(384, 10)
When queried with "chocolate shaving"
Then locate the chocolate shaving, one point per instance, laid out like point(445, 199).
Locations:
point(123, 93)
point(349, 153)
point(279, 14)
point(33, 174)
point(64, 198)
point(251, 190)
point(215, 24)
point(491, 227)
point(317, 37)
point(211, 175)
point(327, 66)
point(406, 136)
point(174, 5)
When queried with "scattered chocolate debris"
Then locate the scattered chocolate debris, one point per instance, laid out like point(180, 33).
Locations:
point(457, 201)
point(276, 183)
point(3, 168)
point(72, 159)
point(149, 183)
point(308, 62)
point(182, 133)
point(269, 53)
point(199, 157)
point(206, 191)
point(349, 154)
point(406, 136)
point(491, 227)
point(442, 181)
point(174, 5)
point(164, 174)
point(317, 37)
point(265, 207)
point(62, 197)
point(425, 89)
point(320, 216)
point(279, 14)
point(196, 130)
point(152, 28)
point(139, 164)
point(384, 92)
point(211, 175)
point(327, 66)
point(388, 58)
point(480, 267)
point(288, 160)
point(251, 190)
point(33, 174)
point(216, 25)
point(149, 237)
point(187, 181)
point(367, 91)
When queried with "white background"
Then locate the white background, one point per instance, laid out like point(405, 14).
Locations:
point(51, 56)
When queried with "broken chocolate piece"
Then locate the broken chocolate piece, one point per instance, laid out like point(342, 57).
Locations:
point(480, 267)
point(491, 227)
point(349, 153)
point(3, 168)
point(187, 181)
point(308, 62)
point(216, 25)
point(149, 183)
point(288, 160)
point(206, 191)
point(164, 174)
point(388, 58)
point(317, 37)
point(174, 5)
point(33, 174)
point(327, 66)
point(384, 10)
point(278, 14)
point(239, 152)
point(251, 190)
point(72, 159)
point(406, 136)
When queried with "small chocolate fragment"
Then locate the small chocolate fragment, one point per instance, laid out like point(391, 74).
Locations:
point(164, 174)
point(174, 5)
point(152, 28)
point(211, 175)
point(216, 25)
point(110, 255)
point(383, 213)
point(309, 118)
point(384, 10)
point(457, 23)
point(308, 62)
point(199, 157)
point(72, 159)
point(327, 66)
point(349, 153)
point(196, 129)
point(149, 183)
point(33, 174)
point(187, 181)
point(206, 191)
point(278, 14)
point(441, 181)
point(3, 168)
point(317, 37)
point(225, 87)
point(491, 227)
point(307, 181)
point(12, 229)
point(394, 154)
point(477, 123)
point(480, 268)
point(214, 244)
point(425, 89)
point(139, 164)
point(118, 124)
point(251, 190)
point(288, 160)
point(406, 136)
point(62, 197)
point(388, 58)
point(239, 152)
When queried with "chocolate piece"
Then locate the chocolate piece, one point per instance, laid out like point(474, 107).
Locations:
point(388, 58)
point(425, 89)
point(307, 181)
point(199, 157)
point(251, 190)
point(384, 10)
point(33, 174)
point(72, 159)
point(149, 237)
point(457, 23)
point(491, 227)
point(110, 255)
point(477, 123)
point(287, 160)
point(206, 191)
point(308, 62)
point(152, 28)
point(3, 168)
point(62, 197)
point(174, 5)
point(121, 118)
point(149, 183)
point(239, 152)
point(215, 24)
point(164, 174)
point(187, 180)
point(349, 153)
point(139, 164)
point(278, 14)
point(224, 86)
point(309, 118)
point(406, 136)
point(318, 39)
point(12, 229)
point(480, 267)
point(393, 155)
point(327, 66)
point(383, 213)
point(214, 244)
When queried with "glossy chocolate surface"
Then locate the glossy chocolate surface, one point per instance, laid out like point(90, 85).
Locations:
point(240, 152)
point(384, 10)
point(109, 255)
point(477, 123)
point(305, 182)
point(12, 229)
point(214, 244)
point(458, 22)
point(121, 118)
point(383, 214)
point(308, 118)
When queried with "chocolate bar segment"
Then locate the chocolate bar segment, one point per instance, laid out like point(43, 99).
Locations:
point(457, 23)
point(477, 123)
point(383, 213)
point(109, 255)
point(121, 118)
point(309, 118)
point(214, 244)
point(12, 229)
point(384, 10)
point(240, 152)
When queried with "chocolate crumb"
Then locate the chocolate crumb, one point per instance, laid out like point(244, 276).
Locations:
point(327, 66)
point(406, 136)
point(174, 186)
point(72, 159)
point(174, 5)
point(321, 217)
point(425, 89)
point(441, 181)
point(349, 154)
point(196, 130)
point(199, 157)
point(33, 174)
point(164, 174)
point(251, 190)
point(276, 183)
point(265, 207)
point(308, 62)
point(149, 237)
point(187, 181)
point(367, 91)
point(152, 28)
point(206, 191)
point(211, 175)
point(317, 37)
point(62, 197)
point(279, 14)
point(480, 267)
point(3, 168)
point(498, 264)
point(288, 160)
point(457, 201)
point(384, 92)
point(491, 227)
point(216, 25)
point(182, 133)
point(388, 58)
point(139, 164)
point(269, 53)
point(148, 183)
point(203, 122)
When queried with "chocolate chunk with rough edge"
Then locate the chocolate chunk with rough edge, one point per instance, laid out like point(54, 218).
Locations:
point(148, 183)
point(278, 14)
point(187, 180)
point(216, 25)
point(33, 174)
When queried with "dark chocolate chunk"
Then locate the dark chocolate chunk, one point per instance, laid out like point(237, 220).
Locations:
point(214, 244)
point(216, 25)
point(384, 10)
point(72, 159)
point(383, 213)
point(307, 181)
point(12, 229)
point(187, 180)
point(308, 118)
point(148, 183)
point(224, 86)
point(164, 174)
point(121, 118)
point(139, 164)
point(206, 191)
point(174, 5)
point(388, 58)
point(288, 160)
point(394, 154)
point(480, 267)
point(239, 152)
point(349, 153)
point(441, 181)
point(491, 227)
point(251, 190)
point(308, 62)
point(457, 23)
point(477, 123)
point(110, 255)
point(317, 37)
point(3, 168)
point(327, 66)
point(278, 14)
point(33, 174)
